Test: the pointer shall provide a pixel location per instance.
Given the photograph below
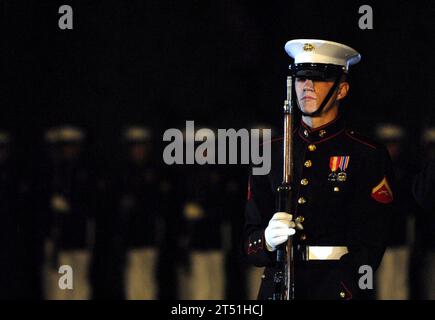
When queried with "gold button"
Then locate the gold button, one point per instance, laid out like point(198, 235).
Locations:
point(312, 147)
point(304, 182)
point(322, 133)
point(308, 164)
point(300, 219)
point(303, 237)
point(342, 294)
point(301, 200)
point(336, 189)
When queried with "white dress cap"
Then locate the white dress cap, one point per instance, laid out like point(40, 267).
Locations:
point(64, 134)
point(429, 135)
point(137, 134)
point(389, 131)
point(321, 51)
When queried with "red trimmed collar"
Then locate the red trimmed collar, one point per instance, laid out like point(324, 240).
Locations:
point(323, 133)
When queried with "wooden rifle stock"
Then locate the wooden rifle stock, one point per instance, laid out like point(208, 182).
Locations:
point(284, 277)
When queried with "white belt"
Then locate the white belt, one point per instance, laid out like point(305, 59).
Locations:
point(322, 252)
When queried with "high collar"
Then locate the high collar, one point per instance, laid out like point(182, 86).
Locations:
point(322, 133)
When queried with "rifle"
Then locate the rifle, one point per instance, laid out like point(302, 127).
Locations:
point(284, 277)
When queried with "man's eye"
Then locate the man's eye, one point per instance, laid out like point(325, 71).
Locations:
point(301, 79)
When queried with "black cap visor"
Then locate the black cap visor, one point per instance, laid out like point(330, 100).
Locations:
point(317, 71)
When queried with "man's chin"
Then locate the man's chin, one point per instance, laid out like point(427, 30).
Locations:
point(309, 110)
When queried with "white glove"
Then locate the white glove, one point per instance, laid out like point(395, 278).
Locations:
point(279, 229)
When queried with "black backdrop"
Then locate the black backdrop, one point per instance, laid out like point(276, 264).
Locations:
point(217, 62)
point(220, 63)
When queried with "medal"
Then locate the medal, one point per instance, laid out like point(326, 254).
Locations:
point(342, 176)
point(334, 164)
point(332, 177)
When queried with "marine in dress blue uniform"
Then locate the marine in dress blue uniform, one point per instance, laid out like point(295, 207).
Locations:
point(342, 192)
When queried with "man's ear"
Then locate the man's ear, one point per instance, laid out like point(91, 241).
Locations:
point(342, 90)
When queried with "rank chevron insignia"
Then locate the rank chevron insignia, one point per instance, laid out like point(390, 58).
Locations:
point(382, 192)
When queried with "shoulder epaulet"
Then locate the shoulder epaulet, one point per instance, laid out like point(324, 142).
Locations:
point(362, 139)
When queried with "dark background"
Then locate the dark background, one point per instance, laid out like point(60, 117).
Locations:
point(220, 63)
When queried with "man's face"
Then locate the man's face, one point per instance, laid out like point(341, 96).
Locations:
point(310, 94)
point(139, 152)
point(4, 153)
point(429, 149)
point(394, 149)
point(71, 151)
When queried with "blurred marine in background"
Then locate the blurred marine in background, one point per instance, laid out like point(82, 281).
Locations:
point(392, 278)
point(423, 255)
point(68, 221)
point(18, 243)
point(202, 269)
point(138, 202)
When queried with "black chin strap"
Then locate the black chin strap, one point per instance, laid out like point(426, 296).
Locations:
point(324, 102)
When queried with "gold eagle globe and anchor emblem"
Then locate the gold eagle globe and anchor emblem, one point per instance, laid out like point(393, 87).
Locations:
point(308, 47)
